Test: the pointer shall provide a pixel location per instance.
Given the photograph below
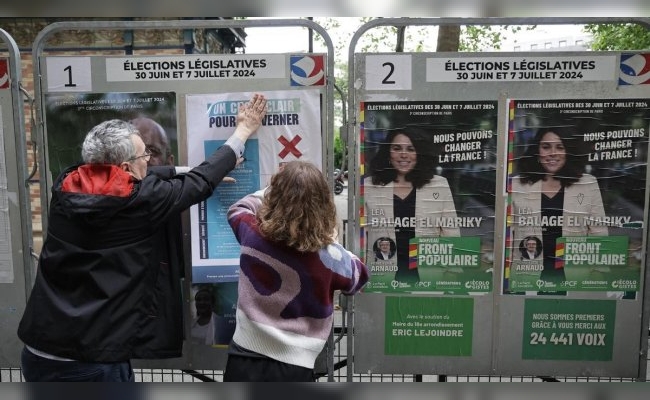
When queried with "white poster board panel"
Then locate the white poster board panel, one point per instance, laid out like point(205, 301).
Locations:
point(291, 130)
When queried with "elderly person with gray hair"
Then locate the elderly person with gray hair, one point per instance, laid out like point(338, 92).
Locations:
point(105, 291)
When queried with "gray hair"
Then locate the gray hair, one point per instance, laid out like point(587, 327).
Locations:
point(109, 143)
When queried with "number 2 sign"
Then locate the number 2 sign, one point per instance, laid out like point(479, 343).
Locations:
point(388, 72)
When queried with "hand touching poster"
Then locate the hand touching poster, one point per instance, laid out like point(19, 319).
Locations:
point(291, 130)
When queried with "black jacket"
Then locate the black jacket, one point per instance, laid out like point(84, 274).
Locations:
point(108, 286)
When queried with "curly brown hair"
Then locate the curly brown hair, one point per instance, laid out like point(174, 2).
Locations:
point(298, 208)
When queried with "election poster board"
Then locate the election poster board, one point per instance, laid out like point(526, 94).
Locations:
point(579, 319)
point(291, 130)
point(81, 91)
point(16, 240)
point(583, 237)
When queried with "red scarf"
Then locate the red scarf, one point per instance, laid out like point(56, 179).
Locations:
point(104, 179)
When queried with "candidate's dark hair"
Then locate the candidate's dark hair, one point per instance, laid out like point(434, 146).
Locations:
point(381, 170)
point(531, 170)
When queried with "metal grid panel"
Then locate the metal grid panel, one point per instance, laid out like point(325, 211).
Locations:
point(338, 374)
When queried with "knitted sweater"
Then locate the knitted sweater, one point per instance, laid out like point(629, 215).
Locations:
point(285, 301)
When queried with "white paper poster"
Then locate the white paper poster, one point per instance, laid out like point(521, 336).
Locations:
point(290, 131)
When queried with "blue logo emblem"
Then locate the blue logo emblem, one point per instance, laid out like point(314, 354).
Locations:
point(307, 70)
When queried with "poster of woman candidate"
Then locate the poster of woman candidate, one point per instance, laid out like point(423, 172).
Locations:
point(427, 187)
point(576, 189)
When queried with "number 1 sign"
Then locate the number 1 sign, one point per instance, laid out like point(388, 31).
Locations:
point(68, 74)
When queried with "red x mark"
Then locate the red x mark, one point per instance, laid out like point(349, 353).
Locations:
point(289, 146)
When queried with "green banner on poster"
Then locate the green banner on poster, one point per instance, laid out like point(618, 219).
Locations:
point(450, 264)
point(597, 263)
point(428, 326)
point(568, 329)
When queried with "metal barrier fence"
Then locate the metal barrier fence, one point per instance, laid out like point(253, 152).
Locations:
point(340, 373)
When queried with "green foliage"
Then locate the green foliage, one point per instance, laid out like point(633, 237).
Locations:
point(339, 150)
point(482, 37)
point(618, 37)
point(474, 37)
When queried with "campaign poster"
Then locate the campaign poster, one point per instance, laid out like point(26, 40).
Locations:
point(429, 326)
point(213, 307)
point(69, 117)
point(428, 173)
point(576, 190)
point(568, 329)
point(291, 130)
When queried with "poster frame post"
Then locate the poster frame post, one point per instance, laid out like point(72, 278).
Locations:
point(21, 250)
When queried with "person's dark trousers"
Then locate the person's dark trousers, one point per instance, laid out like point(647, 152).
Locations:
point(39, 369)
point(258, 369)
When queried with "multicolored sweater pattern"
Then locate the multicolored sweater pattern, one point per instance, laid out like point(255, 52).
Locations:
point(285, 302)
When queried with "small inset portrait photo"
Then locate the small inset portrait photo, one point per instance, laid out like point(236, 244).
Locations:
point(530, 248)
point(384, 248)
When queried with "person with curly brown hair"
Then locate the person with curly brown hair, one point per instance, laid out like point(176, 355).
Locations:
point(290, 267)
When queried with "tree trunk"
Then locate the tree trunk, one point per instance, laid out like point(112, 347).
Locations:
point(448, 38)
